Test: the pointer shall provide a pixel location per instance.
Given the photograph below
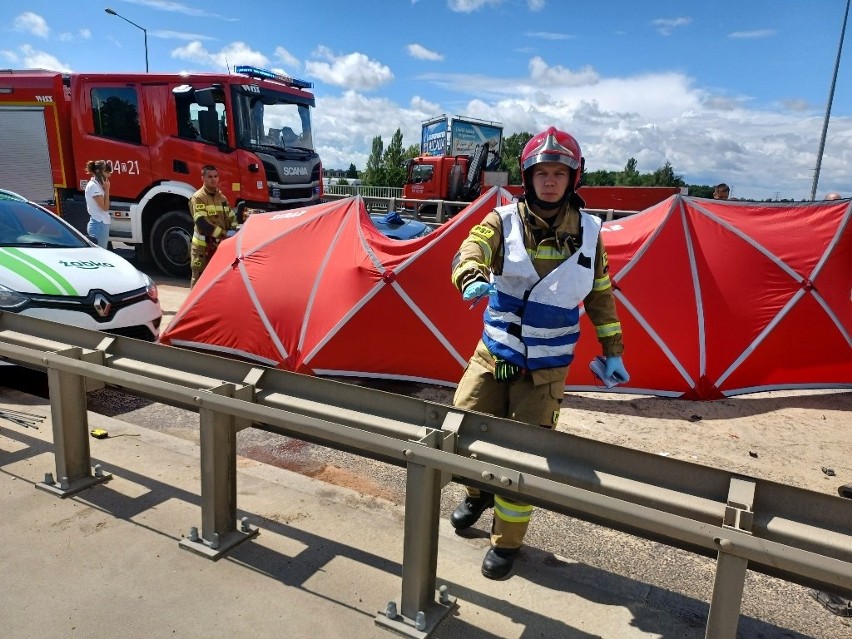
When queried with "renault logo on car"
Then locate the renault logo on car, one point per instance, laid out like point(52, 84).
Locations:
point(102, 305)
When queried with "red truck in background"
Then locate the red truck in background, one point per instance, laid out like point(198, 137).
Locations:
point(460, 179)
point(459, 158)
point(158, 130)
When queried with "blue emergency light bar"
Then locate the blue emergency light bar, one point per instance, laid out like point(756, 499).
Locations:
point(256, 72)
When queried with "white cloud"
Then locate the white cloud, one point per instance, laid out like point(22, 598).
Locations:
point(33, 23)
point(469, 6)
point(286, 58)
point(422, 53)
point(654, 117)
point(178, 35)
point(35, 59)
point(535, 5)
point(230, 55)
point(82, 34)
point(558, 76)
point(752, 35)
point(350, 71)
point(665, 26)
point(11, 56)
point(178, 7)
point(548, 35)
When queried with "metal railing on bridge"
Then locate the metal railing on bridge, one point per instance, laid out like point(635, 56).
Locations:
point(746, 523)
point(389, 198)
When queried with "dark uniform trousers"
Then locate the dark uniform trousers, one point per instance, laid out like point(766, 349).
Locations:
point(519, 400)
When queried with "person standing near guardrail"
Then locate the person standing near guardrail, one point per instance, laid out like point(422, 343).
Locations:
point(213, 220)
point(535, 261)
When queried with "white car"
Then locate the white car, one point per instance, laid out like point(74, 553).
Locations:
point(51, 271)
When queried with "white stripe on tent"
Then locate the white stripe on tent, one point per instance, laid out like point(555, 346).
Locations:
point(836, 320)
point(749, 240)
point(628, 390)
point(432, 328)
point(403, 378)
point(655, 337)
point(310, 306)
point(696, 289)
point(647, 244)
point(761, 336)
point(675, 208)
point(841, 229)
point(774, 387)
point(264, 318)
point(202, 346)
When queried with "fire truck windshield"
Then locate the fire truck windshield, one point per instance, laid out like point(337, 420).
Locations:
point(272, 120)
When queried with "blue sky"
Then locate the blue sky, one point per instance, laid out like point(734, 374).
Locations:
point(731, 90)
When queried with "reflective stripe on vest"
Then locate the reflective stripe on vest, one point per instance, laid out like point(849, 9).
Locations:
point(533, 322)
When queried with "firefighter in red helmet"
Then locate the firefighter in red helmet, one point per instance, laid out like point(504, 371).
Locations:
point(535, 261)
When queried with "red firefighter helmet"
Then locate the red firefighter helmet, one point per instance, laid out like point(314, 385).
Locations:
point(553, 145)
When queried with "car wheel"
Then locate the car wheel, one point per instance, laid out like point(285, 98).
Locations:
point(171, 238)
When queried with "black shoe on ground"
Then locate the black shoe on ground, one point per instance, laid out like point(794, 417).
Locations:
point(470, 510)
point(498, 562)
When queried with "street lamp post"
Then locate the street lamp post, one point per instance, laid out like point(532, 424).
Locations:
point(828, 107)
point(144, 32)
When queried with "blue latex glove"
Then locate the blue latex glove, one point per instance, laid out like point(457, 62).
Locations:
point(615, 368)
point(230, 233)
point(476, 290)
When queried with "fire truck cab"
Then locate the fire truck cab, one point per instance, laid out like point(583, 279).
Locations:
point(158, 131)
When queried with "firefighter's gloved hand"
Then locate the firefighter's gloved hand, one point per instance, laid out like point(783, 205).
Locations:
point(615, 368)
point(230, 233)
point(506, 371)
point(476, 290)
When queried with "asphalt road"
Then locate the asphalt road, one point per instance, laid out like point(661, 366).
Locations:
point(680, 583)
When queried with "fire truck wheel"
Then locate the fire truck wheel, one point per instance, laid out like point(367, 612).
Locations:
point(171, 237)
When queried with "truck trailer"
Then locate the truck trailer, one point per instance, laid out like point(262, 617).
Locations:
point(157, 131)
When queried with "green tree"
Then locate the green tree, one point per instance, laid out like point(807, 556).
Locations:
point(394, 162)
point(600, 177)
point(630, 175)
point(374, 174)
point(511, 153)
point(352, 172)
point(412, 152)
point(665, 176)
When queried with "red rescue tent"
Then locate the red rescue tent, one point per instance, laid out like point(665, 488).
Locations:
point(718, 298)
point(320, 290)
point(715, 297)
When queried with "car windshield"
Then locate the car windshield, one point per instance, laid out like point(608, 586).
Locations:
point(23, 224)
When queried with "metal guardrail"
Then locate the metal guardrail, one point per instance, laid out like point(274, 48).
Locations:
point(747, 523)
point(387, 198)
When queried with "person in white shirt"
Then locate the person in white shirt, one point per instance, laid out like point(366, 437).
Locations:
point(97, 200)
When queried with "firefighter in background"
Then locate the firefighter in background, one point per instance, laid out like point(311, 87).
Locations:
point(213, 220)
point(535, 261)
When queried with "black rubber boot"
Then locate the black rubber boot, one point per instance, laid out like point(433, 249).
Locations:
point(470, 510)
point(498, 562)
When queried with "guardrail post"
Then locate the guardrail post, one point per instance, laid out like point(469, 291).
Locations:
point(724, 615)
point(219, 481)
point(420, 611)
point(69, 418)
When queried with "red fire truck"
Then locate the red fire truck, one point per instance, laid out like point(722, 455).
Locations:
point(158, 130)
point(458, 160)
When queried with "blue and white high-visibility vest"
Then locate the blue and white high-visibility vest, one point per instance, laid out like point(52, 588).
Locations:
point(533, 322)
